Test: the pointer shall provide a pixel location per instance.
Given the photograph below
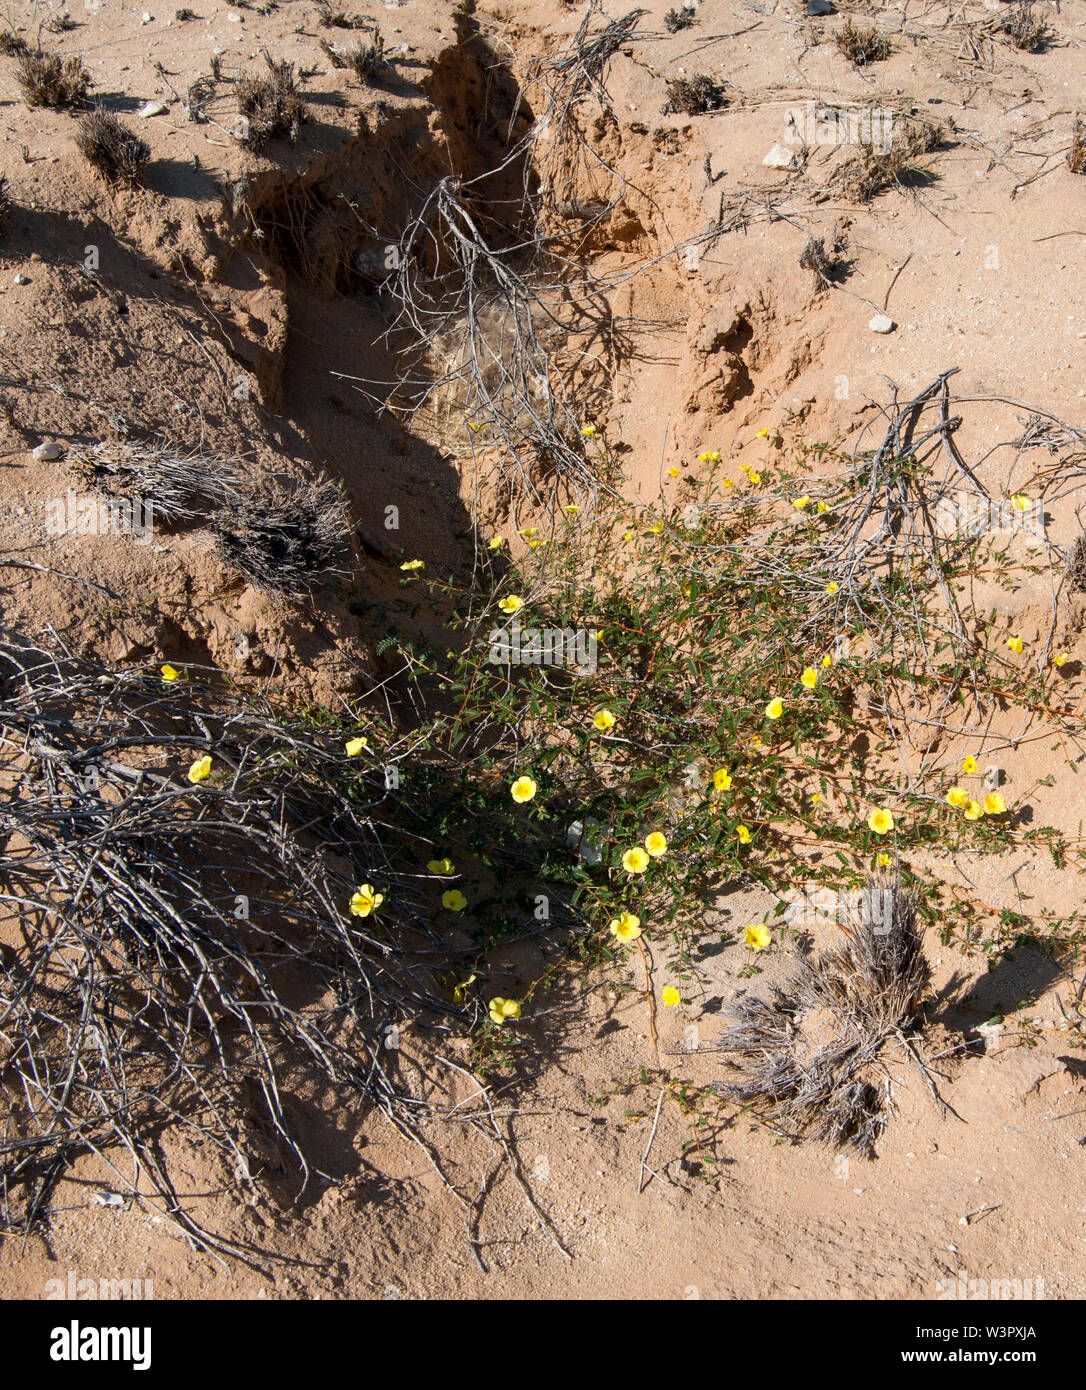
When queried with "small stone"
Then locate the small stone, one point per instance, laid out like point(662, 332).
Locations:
point(154, 108)
point(21, 280)
point(882, 323)
point(35, 255)
point(233, 18)
point(145, 18)
point(45, 453)
point(820, 7)
point(782, 157)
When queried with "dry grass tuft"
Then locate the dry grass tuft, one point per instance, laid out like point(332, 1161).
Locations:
point(677, 20)
point(366, 60)
point(1024, 30)
point(272, 106)
point(1076, 567)
point(862, 46)
point(12, 43)
point(694, 96)
point(47, 79)
point(1076, 155)
point(287, 540)
point(5, 203)
point(112, 149)
point(867, 174)
point(808, 1060)
point(177, 487)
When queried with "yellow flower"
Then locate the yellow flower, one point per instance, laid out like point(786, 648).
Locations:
point(969, 764)
point(743, 833)
point(827, 660)
point(635, 861)
point(628, 536)
point(523, 789)
point(200, 769)
point(656, 528)
point(670, 996)
point(816, 797)
point(1060, 659)
point(957, 796)
point(709, 456)
point(473, 426)
point(775, 708)
point(454, 900)
point(496, 543)
point(529, 532)
point(588, 430)
point(1020, 501)
point(802, 502)
point(722, 779)
point(756, 936)
point(763, 433)
point(534, 545)
point(354, 746)
point(603, 720)
point(413, 565)
point(728, 483)
point(626, 926)
point(821, 507)
point(744, 468)
point(882, 860)
point(513, 604)
point(571, 508)
point(460, 990)
point(973, 810)
point(365, 900)
point(672, 472)
point(503, 1009)
point(656, 843)
point(441, 866)
point(881, 821)
point(832, 586)
point(170, 673)
point(1015, 644)
point(809, 678)
point(754, 477)
point(994, 805)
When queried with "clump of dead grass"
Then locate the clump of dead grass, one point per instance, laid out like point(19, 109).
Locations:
point(694, 96)
point(1076, 155)
point(272, 106)
point(809, 1059)
point(5, 203)
point(870, 172)
point(366, 60)
point(824, 261)
point(1076, 567)
point(177, 486)
point(114, 151)
point(12, 43)
point(285, 540)
point(46, 79)
point(677, 20)
point(862, 45)
point(1022, 28)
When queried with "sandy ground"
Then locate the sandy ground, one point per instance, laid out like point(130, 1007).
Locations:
point(593, 1178)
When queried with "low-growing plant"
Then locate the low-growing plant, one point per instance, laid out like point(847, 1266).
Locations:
point(272, 106)
point(694, 96)
point(114, 151)
point(1024, 29)
point(46, 79)
point(862, 45)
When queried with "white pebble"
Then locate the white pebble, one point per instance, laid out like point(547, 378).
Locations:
point(48, 451)
point(154, 108)
point(781, 157)
point(882, 323)
point(21, 280)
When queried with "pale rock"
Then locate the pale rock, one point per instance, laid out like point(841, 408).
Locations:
point(154, 108)
point(781, 157)
point(45, 453)
point(882, 323)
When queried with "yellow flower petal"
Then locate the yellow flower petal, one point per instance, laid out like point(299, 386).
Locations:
point(603, 720)
point(441, 866)
point(670, 996)
point(656, 844)
point(200, 769)
point(881, 821)
point(626, 926)
point(744, 834)
point(170, 673)
point(635, 861)
point(994, 805)
point(810, 678)
point(523, 789)
point(722, 779)
point(454, 900)
point(775, 708)
point(354, 746)
point(513, 604)
point(756, 936)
